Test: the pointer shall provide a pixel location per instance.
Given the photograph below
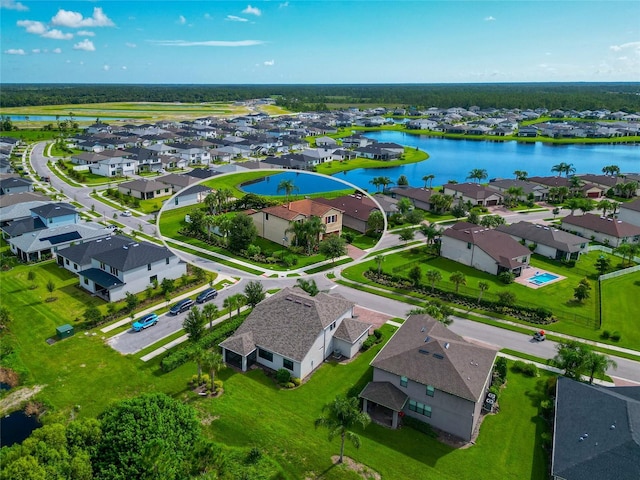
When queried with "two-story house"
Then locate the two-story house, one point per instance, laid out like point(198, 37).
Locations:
point(129, 268)
point(273, 223)
point(295, 331)
point(630, 212)
point(547, 240)
point(427, 372)
point(610, 231)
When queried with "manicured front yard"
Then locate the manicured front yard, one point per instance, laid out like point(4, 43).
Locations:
point(620, 308)
point(253, 411)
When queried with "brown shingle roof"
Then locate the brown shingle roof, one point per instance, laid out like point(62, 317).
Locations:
point(304, 207)
point(472, 190)
point(385, 394)
point(425, 351)
point(356, 206)
point(608, 226)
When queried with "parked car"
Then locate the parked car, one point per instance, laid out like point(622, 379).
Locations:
point(145, 322)
point(206, 295)
point(539, 336)
point(126, 213)
point(181, 306)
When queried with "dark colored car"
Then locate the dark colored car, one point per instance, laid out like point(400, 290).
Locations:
point(206, 295)
point(181, 306)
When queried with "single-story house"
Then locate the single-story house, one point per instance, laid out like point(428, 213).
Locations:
point(22, 197)
point(129, 268)
point(427, 372)
point(630, 212)
point(538, 191)
point(273, 222)
point(15, 184)
point(145, 189)
point(485, 249)
point(548, 241)
point(381, 151)
point(610, 231)
point(295, 331)
point(420, 197)
point(595, 432)
point(177, 182)
point(472, 192)
point(190, 196)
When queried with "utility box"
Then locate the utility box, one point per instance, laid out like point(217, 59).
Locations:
point(64, 331)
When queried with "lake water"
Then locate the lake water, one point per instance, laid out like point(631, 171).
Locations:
point(305, 184)
point(15, 428)
point(454, 159)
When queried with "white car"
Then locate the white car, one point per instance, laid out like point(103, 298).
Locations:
point(126, 213)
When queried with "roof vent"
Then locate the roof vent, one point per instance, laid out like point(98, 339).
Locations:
point(290, 298)
point(424, 352)
point(446, 345)
point(307, 304)
point(438, 356)
point(422, 329)
point(427, 338)
point(125, 247)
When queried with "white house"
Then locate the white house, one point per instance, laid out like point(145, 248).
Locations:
point(630, 212)
point(609, 231)
point(548, 241)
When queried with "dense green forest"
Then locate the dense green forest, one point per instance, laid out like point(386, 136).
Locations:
point(578, 96)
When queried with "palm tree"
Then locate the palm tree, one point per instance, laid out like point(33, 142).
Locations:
point(299, 231)
point(433, 277)
point(513, 195)
point(477, 174)
point(308, 286)
point(340, 416)
point(575, 184)
point(230, 303)
point(559, 168)
point(379, 259)
point(384, 181)
point(222, 196)
point(563, 192)
point(209, 222)
point(428, 178)
point(288, 187)
point(239, 301)
point(597, 364)
point(521, 175)
point(430, 232)
point(209, 313)
point(482, 287)
point(212, 362)
point(604, 205)
point(211, 202)
point(458, 279)
point(314, 228)
point(375, 181)
point(626, 250)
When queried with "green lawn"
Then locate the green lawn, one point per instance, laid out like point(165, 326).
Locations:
point(508, 445)
point(619, 308)
point(411, 155)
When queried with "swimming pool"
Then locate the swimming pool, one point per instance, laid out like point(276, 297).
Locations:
point(542, 278)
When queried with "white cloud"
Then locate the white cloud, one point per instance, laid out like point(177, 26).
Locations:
point(233, 18)
point(284, 5)
point(106, 68)
point(86, 33)
point(86, 45)
point(490, 18)
point(15, 51)
point(208, 16)
point(625, 46)
point(208, 43)
point(31, 26)
point(182, 20)
point(131, 45)
point(269, 63)
point(56, 34)
point(56, 50)
point(13, 5)
point(66, 18)
point(252, 11)
point(124, 67)
point(36, 50)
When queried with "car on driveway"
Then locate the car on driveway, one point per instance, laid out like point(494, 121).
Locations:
point(206, 295)
point(145, 322)
point(181, 306)
point(126, 213)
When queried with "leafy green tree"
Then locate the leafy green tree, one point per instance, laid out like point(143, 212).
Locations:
point(571, 358)
point(626, 250)
point(482, 287)
point(458, 278)
point(145, 434)
point(437, 310)
point(596, 364)
point(433, 277)
point(407, 234)
point(458, 210)
point(193, 325)
point(92, 315)
point(402, 181)
point(506, 297)
point(333, 247)
point(51, 286)
point(254, 291)
point(31, 276)
point(167, 286)
point(212, 362)
point(473, 217)
point(308, 286)
point(415, 275)
point(404, 205)
point(242, 233)
point(375, 222)
point(492, 221)
point(340, 416)
point(132, 301)
point(581, 292)
point(602, 264)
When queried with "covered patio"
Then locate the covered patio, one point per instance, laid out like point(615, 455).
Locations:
point(384, 403)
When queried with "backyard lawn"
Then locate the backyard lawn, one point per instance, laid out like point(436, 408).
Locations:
point(253, 411)
point(620, 308)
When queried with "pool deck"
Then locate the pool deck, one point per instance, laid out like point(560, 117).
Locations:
point(530, 271)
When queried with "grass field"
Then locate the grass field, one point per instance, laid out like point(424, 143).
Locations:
point(619, 308)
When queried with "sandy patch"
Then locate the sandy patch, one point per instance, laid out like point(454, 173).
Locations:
point(15, 399)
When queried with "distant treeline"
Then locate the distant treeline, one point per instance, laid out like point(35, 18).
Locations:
point(565, 96)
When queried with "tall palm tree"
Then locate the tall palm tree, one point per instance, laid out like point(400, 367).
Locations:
point(384, 182)
point(229, 303)
point(288, 187)
point(458, 278)
point(341, 415)
point(209, 222)
point(433, 277)
point(513, 195)
point(478, 174)
point(379, 259)
point(375, 181)
point(521, 174)
point(482, 287)
point(209, 313)
point(299, 231)
point(428, 178)
point(559, 168)
point(314, 228)
point(210, 201)
point(597, 364)
point(212, 362)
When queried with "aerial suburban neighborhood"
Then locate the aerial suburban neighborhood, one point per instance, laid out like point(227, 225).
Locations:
point(407, 312)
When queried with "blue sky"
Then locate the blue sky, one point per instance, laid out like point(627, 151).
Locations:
point(298, 41)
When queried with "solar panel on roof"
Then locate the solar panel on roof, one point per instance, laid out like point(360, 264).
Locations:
point(63, 237)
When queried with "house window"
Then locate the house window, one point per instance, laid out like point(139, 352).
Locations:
point(114, 271)
point(66, 261)
point(265, 354)
point(288, 364)
point(420, 408)
point(403, 382)
point(86, 281)
point(266, 216)
point(469, 245)
point(102, 266)
point(75, 266)
point(332, 326)
point(331, 219)
point(153, 279)
point(148, 267)
point(166, 260)
point(430, 390)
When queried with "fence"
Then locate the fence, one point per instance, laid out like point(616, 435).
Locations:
point(619, 273)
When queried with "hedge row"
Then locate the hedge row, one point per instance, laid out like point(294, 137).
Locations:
point(216, 335)
point(539, 315)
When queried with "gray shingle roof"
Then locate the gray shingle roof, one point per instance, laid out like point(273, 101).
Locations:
point(605, 453)
point(385, 394)
point(290, 321)
point(82, 253)
point(351, 330)
point(425, 351)
point(133, 256)
point(52, 210)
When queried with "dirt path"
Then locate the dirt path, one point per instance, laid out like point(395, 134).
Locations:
point(17, 398)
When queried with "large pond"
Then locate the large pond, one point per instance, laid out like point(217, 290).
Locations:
point(16, 427)
point(454, 159)
point(305, 184)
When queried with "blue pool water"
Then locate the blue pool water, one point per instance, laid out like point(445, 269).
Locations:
point(542, 278)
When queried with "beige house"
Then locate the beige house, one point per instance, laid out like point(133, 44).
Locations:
point(273, 222)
